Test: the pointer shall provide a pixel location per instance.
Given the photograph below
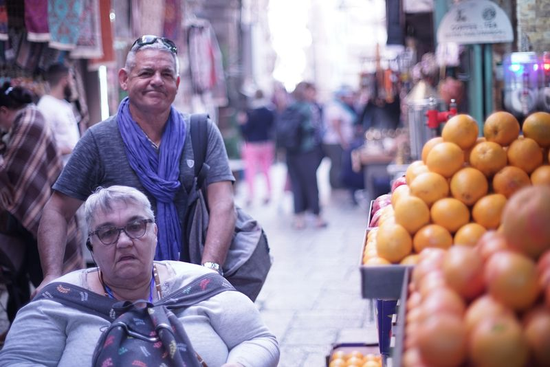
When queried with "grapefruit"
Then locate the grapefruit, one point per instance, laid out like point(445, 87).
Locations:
point(525, 153)
point(393, 242)
point(432, 235)
point(462, 130)
point(450, 213)
point(469, 185)
point(498, 341)
point(469, 234)
point(430, 187)
point(501, 127)
point(512, 279)
point(526, 220)
point(412, 213)
point(488, 157)
point(488, 210)
point(541, 176)
point(537, 127)
point(509, 180)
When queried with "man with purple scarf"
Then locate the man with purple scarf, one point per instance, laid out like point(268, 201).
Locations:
point(146, 145)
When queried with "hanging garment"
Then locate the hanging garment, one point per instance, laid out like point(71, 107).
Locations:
point(3, 21)
point(89, 43)
point(205, 61)
point(172, 20)
point(36, 20)
point(13, 44)
point(64, 23)
point(109, 57)
point(16, 14)
point(123, 24)
point(29, 54)
point(151, 16)
point(50, 56)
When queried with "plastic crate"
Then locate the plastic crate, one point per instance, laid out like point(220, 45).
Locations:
point(350, 347)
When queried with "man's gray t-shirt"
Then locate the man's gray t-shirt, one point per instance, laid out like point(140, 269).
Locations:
point(99, 159)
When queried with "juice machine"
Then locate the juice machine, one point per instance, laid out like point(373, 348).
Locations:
point(521, 83)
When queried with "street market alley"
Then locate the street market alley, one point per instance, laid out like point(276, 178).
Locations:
point(312, 297)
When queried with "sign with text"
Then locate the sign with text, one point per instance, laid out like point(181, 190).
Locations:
point(475, 22)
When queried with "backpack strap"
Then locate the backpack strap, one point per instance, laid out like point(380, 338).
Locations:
point(199, 142)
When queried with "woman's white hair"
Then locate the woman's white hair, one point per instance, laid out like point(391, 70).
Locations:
point(103, 198)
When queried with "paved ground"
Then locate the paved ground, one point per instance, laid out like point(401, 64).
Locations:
point(312, 298)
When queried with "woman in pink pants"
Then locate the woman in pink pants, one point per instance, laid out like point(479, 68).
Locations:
point(258, 150)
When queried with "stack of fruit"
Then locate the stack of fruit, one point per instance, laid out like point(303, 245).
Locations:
point(459, 189)
point(489, 304)
point(355, 358)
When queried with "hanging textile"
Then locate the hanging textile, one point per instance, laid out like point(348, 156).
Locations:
point(36, 20)
point(123, 25)
point(172, 20)
point(29, 54)
point(64, 23)
point(107, 40)
point(79, 101)
point(151, 17)
point(13, 44)
point(205, 61)
point(50, 56)
point(3, 21)
point(89, 43)
point(16, 13)
point(2, 54)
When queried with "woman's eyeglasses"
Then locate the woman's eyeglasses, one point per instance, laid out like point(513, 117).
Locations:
point(134, 229)
point(149, 40)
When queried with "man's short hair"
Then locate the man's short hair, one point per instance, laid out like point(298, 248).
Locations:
point(131, 57)
point(55, 73)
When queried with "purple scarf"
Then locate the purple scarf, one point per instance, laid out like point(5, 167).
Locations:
point(158, 172)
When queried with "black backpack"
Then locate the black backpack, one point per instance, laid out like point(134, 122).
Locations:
point(288, 129)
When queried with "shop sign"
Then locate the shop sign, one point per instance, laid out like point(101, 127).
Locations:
point(474, 22)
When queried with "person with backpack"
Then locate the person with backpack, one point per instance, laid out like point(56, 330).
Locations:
point(132, 310)
point(146, 145)
point(299, 134)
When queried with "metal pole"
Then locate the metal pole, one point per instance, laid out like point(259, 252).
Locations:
point(488, 66)
point(475, 84)
point(440, 9)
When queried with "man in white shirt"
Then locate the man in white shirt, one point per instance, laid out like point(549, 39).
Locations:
point(58, 112)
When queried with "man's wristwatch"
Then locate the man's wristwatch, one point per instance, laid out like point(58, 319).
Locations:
point(214, 266)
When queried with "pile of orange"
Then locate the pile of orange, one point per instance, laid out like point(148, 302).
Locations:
point(354, 358)
point(487, 304)
point(459, 189)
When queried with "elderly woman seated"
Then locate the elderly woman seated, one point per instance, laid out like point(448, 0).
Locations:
point(224, 329)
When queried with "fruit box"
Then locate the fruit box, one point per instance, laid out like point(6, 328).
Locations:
point(347, 348)
point(383, 281)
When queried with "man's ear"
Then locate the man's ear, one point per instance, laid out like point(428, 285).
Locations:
point(123, 78)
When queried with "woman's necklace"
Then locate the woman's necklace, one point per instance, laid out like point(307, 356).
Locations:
point(154, 284)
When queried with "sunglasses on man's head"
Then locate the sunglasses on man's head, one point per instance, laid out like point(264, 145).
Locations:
point(149, 40)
